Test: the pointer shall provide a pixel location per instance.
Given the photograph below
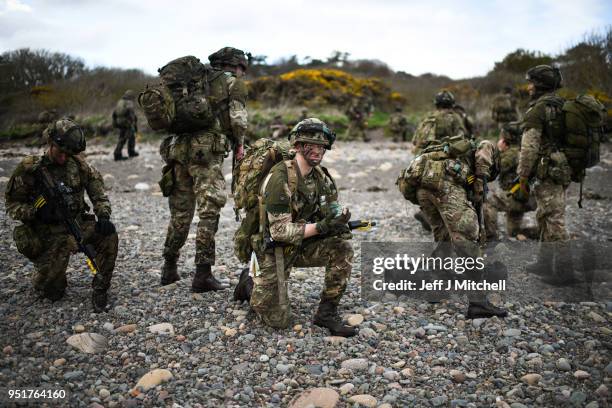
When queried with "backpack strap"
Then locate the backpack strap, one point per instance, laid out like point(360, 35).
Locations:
point(292, 181)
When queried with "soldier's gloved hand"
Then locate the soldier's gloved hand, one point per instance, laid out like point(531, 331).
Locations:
point(332, 224)
point(522, 194)
point(478, 190)
point(104, 226)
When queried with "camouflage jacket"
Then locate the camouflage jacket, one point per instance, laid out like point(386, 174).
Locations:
point(228, 95)
point(23, 187)
point(398, 123)
point(508, 164)
point(439, 124)
point(535, 142)
point(291, 203)
point(124, 114)
point(504, 108)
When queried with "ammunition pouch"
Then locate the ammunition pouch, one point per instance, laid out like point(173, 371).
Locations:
point(27, 241)
point(164, 149)
point(205, 147)
point(434, 174)
point(559, 170)
point(167, 182)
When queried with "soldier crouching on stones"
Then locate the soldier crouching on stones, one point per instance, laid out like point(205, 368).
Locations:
point(444, 197)
point(43, 236)
point(306, 227)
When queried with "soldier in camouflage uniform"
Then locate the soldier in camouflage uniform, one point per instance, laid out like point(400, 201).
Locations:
point(468, 122)
point(503, 109)
point(444, 122)
point(508, 145)
point(42, 236)
point(544, 172)
point(304, 217)
point(125, 119)
point(358, 113)
point(195, 161)
point(452, 214)
point(279, 128)
point(398, 125)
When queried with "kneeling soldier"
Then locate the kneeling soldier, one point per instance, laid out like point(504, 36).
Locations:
point(303, 226)
point(46, 193)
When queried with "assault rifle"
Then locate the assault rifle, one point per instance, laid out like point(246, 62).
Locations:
point(57, 195)
point(359, 225)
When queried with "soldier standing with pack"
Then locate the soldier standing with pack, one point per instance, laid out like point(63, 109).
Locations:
point(542, 162)
point(398, 125)
point(444, 122)
point(358, 113)
point(303, 225)
point(503, 109)
point(195, 156)
point(125, 119)
point(44, 237)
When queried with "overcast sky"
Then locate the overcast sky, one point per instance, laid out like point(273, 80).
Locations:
point(455, 38)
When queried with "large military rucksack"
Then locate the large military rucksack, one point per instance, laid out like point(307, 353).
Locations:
point(503, 109)
point(440, 160)
point(179, 103)
point(248, 176)
point(584, 128)
point(575, 126)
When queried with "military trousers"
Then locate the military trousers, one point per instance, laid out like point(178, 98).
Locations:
point(550, 212)
point(126, 135)
point(57, 246)
point(514, 211)
point(453, 218)
point(334, 253)
point(201, 186)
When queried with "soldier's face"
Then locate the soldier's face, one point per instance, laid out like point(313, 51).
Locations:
point(57, 155)
point(313, 153)
point(531, 88)
point(502, 145)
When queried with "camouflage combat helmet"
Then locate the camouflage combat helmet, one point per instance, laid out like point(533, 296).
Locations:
point(129, 94)
point(67, 135)
point(511, 132)
point(545, 77)
point(312, 130)
point(444, 99)
point(229, 56)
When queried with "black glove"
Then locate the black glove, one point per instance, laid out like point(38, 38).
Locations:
point(331, 225)
point(105, 227)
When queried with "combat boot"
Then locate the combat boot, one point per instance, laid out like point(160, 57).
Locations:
point(244, 288)
point(133, 154)
point(119, 157)
point(478, 310)
point(422, 220)
point(204, 281)
point(99, 299)
point(327, 316)
point(53, 294)
point(169, 271)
